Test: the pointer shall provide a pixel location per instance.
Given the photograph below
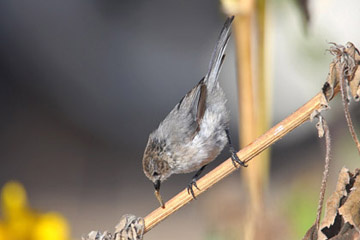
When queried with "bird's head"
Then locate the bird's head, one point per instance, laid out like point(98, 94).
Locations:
point(155, 164)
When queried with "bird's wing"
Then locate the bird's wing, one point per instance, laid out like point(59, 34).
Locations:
point(192, 107)
point(200, 103)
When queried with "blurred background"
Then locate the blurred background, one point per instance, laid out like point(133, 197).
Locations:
point(83, 83)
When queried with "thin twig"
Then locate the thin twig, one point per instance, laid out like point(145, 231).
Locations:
point(326, 170)
point(344, 97)
point(245, 154)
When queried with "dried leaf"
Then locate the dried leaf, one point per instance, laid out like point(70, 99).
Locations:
point(320, 127)
point(324, 103)
point(334, 202)
point(349, 59)
point(347, 233)
point(357, 56)
point(350, 211)
point(96, 235)
point(351, 49)
point(129, 227)
point(355, 85)
point(352, 60)
point(331, 81)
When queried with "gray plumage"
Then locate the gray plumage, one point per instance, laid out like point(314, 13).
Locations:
point(194, 132)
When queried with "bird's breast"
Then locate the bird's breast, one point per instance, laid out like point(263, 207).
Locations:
point(200, 151)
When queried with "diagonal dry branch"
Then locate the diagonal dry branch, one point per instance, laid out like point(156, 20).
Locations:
point(308, 111)
point(246, 154)
point(343, 63)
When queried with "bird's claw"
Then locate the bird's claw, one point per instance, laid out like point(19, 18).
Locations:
point(190, 189)
point(235, 159)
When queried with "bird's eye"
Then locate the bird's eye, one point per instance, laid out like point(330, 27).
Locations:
point(155, 174)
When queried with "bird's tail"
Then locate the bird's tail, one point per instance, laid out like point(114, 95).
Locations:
point(218, 56)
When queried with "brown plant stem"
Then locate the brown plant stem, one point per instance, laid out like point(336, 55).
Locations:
point(246, 154)
point(325, 173)
point(253, 106)
point(246, 98)
point(344, 97)
point(248, 110)
point(264, 81)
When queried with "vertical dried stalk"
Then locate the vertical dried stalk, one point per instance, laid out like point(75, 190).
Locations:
point(252, 102)
point(257, 175)
point(264, 87)
point(247, 125)
point(248, 118)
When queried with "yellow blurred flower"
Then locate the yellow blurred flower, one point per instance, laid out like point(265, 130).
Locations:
point(22, 223)
point(51, 226)
point(2, 231)
point(13, 200)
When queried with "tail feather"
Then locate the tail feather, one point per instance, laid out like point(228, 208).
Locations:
point(217, 57)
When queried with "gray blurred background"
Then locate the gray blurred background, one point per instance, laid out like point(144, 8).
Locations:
point(83, 83)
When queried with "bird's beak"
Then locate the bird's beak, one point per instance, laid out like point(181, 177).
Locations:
point(157, 185)
point(157, 193)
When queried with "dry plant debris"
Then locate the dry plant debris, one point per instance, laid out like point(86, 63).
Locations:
point(342, 215)
point(130, 227)
point(345, 71)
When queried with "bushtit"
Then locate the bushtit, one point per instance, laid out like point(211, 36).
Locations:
point(195, 131)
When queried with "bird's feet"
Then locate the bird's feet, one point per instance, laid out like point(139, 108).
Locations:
point(190, 189)
point(192, 184)
point(235, 159)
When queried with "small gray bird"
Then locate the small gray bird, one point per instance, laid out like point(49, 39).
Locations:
point(194, 133)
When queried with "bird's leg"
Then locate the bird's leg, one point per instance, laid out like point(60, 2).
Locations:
point(235, 159)
point(193, 182)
